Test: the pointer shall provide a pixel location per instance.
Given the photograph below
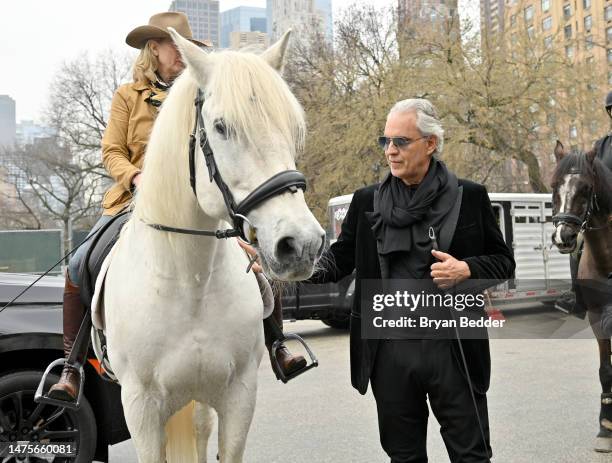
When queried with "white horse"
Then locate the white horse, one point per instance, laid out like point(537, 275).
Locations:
point(183, 319)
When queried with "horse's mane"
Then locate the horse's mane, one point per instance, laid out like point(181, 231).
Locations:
point(596, 173)
point(249, 95)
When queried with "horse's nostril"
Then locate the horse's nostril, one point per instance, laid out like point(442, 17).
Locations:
point(288, 247)
point(567, 235)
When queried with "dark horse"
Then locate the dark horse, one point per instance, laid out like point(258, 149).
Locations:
point(582, 205)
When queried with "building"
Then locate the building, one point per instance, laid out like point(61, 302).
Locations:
point(436, 13)
point(203, 17)
point(441, 16)
point(30, 133)
point(324, 9)
point(303, 16)
point(242, 19)
point(582, 27)
point(491, 16)
point(245, 39)
point(8, 123)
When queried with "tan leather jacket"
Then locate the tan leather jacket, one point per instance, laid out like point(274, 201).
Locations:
point(125, 140)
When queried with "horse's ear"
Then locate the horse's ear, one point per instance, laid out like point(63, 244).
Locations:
point(275, 55)
point(193, 56)
point(559, 151)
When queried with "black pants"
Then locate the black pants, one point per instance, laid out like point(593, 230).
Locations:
point(405, 373)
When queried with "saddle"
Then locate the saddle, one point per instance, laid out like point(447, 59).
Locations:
point(93, 265)
point(94, 262)
point(100, 247)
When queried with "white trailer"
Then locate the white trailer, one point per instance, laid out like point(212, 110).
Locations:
point(525, 220)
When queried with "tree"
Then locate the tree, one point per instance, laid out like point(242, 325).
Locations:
point(60, 180)
point(494, 97)
point(81, 94)
point(344, 90)
point(49, 184)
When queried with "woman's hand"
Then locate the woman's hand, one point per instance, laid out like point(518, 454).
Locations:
point(250, 250)
point(136, 180)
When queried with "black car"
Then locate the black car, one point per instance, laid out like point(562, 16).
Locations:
point(30, 338)
point(330, 302)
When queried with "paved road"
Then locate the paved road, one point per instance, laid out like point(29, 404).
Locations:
point(543, 405)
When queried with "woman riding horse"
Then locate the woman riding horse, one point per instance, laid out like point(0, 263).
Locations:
point(133, 111)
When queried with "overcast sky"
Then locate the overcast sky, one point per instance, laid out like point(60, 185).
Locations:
point(36, 36)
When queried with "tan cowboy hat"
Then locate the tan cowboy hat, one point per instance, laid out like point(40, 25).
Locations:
point(157, 29)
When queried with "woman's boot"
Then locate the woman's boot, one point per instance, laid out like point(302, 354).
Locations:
point(288, 362)
point(67, 388)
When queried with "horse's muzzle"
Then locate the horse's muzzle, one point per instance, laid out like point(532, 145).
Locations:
point(564, 237)
point(293, 258)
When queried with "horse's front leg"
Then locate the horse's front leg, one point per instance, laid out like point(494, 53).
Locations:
point(235, 415)
point(145, 418)
point(604, 436)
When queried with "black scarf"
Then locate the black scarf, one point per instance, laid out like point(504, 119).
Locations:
point(402, 217)
point(158, 91)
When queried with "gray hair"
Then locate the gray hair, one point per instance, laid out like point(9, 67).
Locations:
point(426, 118)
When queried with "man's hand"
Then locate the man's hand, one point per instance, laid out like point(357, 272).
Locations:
point(250, 250)
point(449, 271)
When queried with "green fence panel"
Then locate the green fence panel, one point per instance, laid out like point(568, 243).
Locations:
point(30, 251)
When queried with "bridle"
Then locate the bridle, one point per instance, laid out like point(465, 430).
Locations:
point(580, 221)
point(288, 180)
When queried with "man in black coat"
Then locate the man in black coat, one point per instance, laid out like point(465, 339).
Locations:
point(384, 235)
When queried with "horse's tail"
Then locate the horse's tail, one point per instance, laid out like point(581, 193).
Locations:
point(181, 436)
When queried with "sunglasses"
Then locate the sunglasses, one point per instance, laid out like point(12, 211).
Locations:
point(398, 142)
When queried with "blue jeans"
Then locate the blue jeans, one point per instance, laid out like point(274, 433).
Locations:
point(74, 264)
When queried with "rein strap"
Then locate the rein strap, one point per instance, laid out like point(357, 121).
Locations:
point(219, 234)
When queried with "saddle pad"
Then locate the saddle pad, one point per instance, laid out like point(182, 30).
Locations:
point(97, 300)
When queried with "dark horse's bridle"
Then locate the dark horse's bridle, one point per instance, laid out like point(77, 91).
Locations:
point(288, 180)
point(580, 221)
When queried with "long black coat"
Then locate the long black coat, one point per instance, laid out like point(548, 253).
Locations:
point(473, 235)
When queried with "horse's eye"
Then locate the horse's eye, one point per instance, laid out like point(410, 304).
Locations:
point(220, 127)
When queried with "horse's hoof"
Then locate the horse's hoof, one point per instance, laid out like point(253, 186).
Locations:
point(603, 444)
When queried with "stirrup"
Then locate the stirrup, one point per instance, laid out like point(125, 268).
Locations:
point(276, 366)
point(81, 343)
point(43, 398)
